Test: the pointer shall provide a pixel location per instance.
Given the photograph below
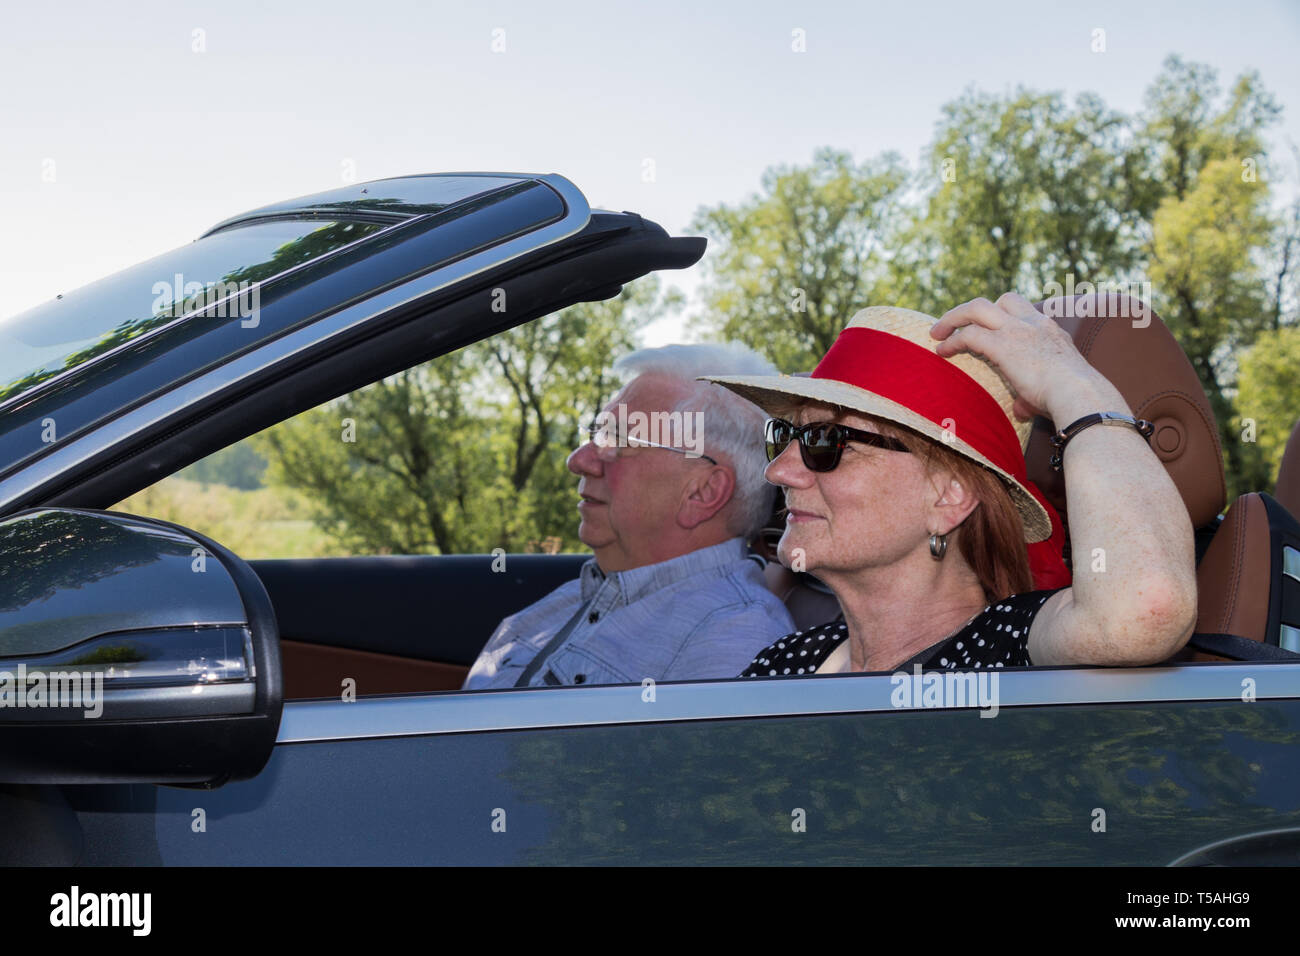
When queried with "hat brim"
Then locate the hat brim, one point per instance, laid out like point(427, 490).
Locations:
point(771, 392)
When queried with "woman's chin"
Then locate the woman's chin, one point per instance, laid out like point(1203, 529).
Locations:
point(793, 555)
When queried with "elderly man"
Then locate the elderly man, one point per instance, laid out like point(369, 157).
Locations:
point(671, 490)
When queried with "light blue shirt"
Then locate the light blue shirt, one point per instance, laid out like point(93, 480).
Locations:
point(698, 616)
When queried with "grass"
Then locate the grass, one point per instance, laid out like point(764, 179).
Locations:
point(268, 522)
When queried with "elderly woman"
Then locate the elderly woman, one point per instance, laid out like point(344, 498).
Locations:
point(901, 459)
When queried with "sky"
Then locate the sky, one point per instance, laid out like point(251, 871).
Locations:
point(127, 130)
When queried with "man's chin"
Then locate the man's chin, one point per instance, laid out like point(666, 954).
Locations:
point(592, 537)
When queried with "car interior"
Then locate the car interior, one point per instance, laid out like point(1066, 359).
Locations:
point(403, 624)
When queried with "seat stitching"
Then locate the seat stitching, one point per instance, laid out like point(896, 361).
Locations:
point(1238, 549)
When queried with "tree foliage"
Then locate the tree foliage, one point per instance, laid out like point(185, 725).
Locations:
point(1206, 285)
point(792, 262)
point(1025, 191)
point(1268, 399)
point(1019, 191)
point(467, 452)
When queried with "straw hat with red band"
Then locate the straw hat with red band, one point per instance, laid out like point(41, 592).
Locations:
point(884, 364)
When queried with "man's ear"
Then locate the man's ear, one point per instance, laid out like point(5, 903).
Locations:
point(954, 502)
point(705, 495)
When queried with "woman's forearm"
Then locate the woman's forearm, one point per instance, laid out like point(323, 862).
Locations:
point(1130, 535)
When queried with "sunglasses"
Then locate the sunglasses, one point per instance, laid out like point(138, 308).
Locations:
point(821, 443)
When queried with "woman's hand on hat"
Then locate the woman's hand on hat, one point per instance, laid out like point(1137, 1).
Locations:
point(1035, 355)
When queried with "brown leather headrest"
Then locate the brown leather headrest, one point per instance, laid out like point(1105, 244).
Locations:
point(1126, 341)
point(1287, 491)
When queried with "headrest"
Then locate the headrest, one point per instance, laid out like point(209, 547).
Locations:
point(1287, 491)
point(1126, 341)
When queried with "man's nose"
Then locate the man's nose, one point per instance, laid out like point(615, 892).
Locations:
point(788, 470)
point(583, 460)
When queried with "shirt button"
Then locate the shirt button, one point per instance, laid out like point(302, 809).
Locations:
point(579, 678)
point(593, 617)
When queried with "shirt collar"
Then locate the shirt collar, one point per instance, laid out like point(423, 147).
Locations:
point(635, 583)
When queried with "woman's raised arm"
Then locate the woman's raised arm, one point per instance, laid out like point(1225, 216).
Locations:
point(1133, 598)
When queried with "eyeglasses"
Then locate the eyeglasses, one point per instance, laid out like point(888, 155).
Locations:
point(821, 443)
point(605, 438)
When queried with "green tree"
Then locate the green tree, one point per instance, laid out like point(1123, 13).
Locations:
point(1199, 175)
point(1183, 128)
point(238, 466)
point(1207, 287)
point(384, 466)
point(792, 263)
point(1025, 191)
point(465, 453)
point(1282, 267)
point(1018, 191)
point(1268, 400)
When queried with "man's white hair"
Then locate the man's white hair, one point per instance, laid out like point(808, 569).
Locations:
point(733, 426)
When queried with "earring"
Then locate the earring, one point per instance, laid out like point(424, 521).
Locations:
point(938, 546)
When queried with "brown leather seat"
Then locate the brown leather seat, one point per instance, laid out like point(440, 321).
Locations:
point(1128, 343)
point(1233, 578)
point(1242, 590)
point(1287, 491)
point(1249, 581)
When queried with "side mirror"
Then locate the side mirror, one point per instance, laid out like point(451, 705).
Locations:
point(132, 650)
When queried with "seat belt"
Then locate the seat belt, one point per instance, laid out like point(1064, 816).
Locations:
point(535, 664)
point(920, 658)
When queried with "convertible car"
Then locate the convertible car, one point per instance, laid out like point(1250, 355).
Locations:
point(165, 701)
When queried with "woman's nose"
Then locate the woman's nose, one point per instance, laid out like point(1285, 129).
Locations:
point(787, 469)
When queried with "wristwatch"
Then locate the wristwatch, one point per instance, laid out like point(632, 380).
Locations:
point(1061, 438)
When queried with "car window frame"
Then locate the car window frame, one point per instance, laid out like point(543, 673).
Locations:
point(514, 709)
point(17, 488)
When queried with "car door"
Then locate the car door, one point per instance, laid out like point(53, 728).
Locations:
point(1059, 766)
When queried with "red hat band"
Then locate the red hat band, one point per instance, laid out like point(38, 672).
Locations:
point(929, 385)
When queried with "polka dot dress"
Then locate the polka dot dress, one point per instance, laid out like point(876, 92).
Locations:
point(996, 637)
